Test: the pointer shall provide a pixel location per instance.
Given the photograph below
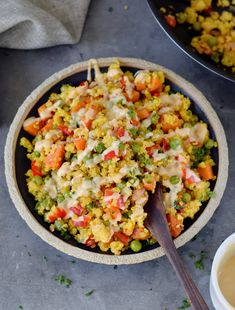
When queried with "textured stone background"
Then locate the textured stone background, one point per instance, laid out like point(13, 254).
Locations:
point(26, 278)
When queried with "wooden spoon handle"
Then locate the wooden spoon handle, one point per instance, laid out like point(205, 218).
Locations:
point(197, 301)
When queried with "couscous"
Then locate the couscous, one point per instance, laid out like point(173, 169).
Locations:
point(99, 148)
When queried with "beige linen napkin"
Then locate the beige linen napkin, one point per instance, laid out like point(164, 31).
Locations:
point(28, 24)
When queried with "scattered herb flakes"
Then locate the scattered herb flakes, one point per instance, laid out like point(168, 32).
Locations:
point(63, 280)
point(191, 255)
point(45, 258)
point(65, 235)
point(21, 307)
point(115, 267)
point(185, 304)
point(199, 264)
point(90, 293)
point(110, 9)
point(29, 254)
point(194, 238)
point(73, 261)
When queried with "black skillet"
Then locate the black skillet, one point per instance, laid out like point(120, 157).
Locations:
point(182, 36)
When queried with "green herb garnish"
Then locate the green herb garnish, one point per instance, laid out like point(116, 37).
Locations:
point(185, 304)
point(63, 281)
point(89, 293)
point(65, 235)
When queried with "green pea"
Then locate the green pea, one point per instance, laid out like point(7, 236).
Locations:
point(174, 143)
point(90, 206)
point(37, 154)
point(74, 158)
point(212, 41)
point(186, 197)
point(60, 197)
point(181, 17)
point(197, 26)
point(121, 185)
point(215, 57)
point(135, 147)
point(58, 225)
point(136, 245)
point(38, 180)
point(134, 132)
point(174, 179)
point(154, 119)
point(67, 195)
point(121, 146)
point(209, 144)
point(131, 114)
point(100, 148)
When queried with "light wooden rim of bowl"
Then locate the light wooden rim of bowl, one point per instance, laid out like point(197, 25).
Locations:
point(61, 245)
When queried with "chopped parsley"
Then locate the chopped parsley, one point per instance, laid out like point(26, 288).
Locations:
point(89, 293)
point(21, 307)
point(191, 255)
point(199, 264)
point(65, 235)
point(185, 304)
point(63, 281)
point(45, 258)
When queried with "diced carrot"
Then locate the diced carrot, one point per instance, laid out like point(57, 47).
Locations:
point(48, 126)
point(87, 122)
point(171, 20)
point(59, 213)
point(113, 212)
point(149, 186)
point(135, 122)
point(42, 108)
point(175, 225)
point(140, 86)
point(134, 97)
point(80, 143)
point(206, 173)
point(143, 113)
point(108, 192)
point(155, 84)
point(122, 237)
point(120, 132)
point(90, 242)
point(35, 169)
point(32, 125)
point(54, 159)
point(65, 130)
point(78, 106)
point(170, 121)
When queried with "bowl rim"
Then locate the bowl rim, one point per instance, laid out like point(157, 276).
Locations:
point(50, 238)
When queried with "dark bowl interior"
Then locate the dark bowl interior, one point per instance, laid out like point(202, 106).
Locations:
point(182, 36)
point(22, 164)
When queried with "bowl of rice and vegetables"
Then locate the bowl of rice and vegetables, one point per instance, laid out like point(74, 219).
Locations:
point(96, 148)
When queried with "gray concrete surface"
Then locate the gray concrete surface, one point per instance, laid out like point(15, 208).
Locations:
point(26, 278)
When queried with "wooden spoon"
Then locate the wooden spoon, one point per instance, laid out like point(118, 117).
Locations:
point(156, 222)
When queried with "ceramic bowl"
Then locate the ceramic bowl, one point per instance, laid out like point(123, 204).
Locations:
point(16, 163)
point(224, 252)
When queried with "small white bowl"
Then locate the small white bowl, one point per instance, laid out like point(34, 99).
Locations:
point(224, 252)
